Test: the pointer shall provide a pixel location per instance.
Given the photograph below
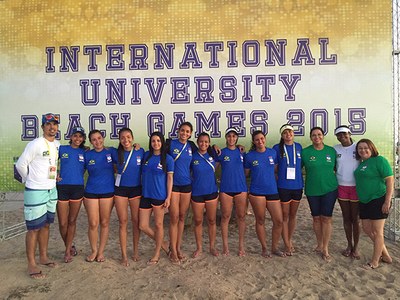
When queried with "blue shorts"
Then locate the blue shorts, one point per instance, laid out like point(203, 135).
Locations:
point(182, 188)
point(322, 205)
point(287, 195)
point(269, 197)
point(98, 196)
point(39, 207)
point(128, 191)
point(204, 198)
point(70, 192)
point(147, 203)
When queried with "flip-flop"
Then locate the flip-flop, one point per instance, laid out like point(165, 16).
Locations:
point(67, 259)
point(279, 253)
point(346, 252)
point(151, 262)
point(385, 260)
point(74, 251)
point(50, 264)
point(327, 258)
point(90, 260)
point(100, 259)
point(369, 266)
point(37, 275)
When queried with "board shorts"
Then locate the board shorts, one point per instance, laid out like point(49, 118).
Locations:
point(39, 207)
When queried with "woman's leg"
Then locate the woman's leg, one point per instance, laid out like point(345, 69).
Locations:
point(105, 205)
point(326, 228)
point(158, 232)
point(259, 206)
point(92, 210)
point(347, 225)
point(173, 225)
point(211, 213)
point(241, 211)
point(355, 222)
point(62, 214)
point(184, 204)
point(275, 210)
point(134, 205)
point(198, 211)
point(226, 211)
point(294, 206)
point(121, 206)
point(74, 207)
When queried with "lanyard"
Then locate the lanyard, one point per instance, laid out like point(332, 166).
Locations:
point(179, 154)
point(127, 161)
point(49, 150)
point(287, 156)
point(212, 166)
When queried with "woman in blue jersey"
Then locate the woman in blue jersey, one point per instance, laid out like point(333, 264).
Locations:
point(233, 189)
point(128, 190)
point(70, 188)
point(157, 180)
point(290, 182)
point(204, 194)
point(260, 163)
point(181, 151)
point(99, 193)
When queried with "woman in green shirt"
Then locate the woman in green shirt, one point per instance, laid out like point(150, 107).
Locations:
point(321, 186)
point(374, 184)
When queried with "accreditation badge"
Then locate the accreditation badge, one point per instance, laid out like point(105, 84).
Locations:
point(291, 173)
point(118, 180)
point(52, 172)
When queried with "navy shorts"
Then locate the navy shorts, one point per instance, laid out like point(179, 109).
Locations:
point(128, 191)
point(322, 205)
point(148, 203)
point(269, 197)
point(98, 196)
point(182, 188)
point(287, 195)
point(70, 192)
point(373, 209)
point(204, 198)
point(232, 194)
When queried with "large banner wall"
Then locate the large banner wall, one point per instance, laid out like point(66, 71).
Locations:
point(150, 65)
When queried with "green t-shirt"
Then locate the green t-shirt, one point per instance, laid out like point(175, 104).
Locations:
point(370, 178)
point(320, 170)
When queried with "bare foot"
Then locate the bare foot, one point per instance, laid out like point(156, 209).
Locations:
point(241, 253)
point(317, 250)
point(266, 254)
point(124, 262)
point(181, 256)
point(225, 252)
point(100, 259)
point(386, 259)
point(135, 258)
point(197, 253)
point(326, 257)
point(91, 257)
point(214, 252)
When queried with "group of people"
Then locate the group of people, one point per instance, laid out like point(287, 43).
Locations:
point(178, 173)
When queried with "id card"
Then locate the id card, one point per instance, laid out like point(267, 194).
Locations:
point(118, 180)
point(52, 172)
point(291, 173)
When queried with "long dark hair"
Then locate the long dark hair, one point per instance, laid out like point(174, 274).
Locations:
point(255, 132)
point(209, 149)
point(163, 154)
point(120, 147)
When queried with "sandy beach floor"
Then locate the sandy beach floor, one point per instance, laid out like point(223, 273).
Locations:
point(303, 276)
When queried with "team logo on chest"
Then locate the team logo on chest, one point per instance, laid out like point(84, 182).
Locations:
point(109, 158)
point(81, 158)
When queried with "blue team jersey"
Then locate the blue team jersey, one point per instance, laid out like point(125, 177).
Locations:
point(182, 163)
point(203, 175)
point(72, 165)
point(283, 182)
point(154, 180)
point(262, 168)
point(233, 179)
point(133, 171)
point(100, 168)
